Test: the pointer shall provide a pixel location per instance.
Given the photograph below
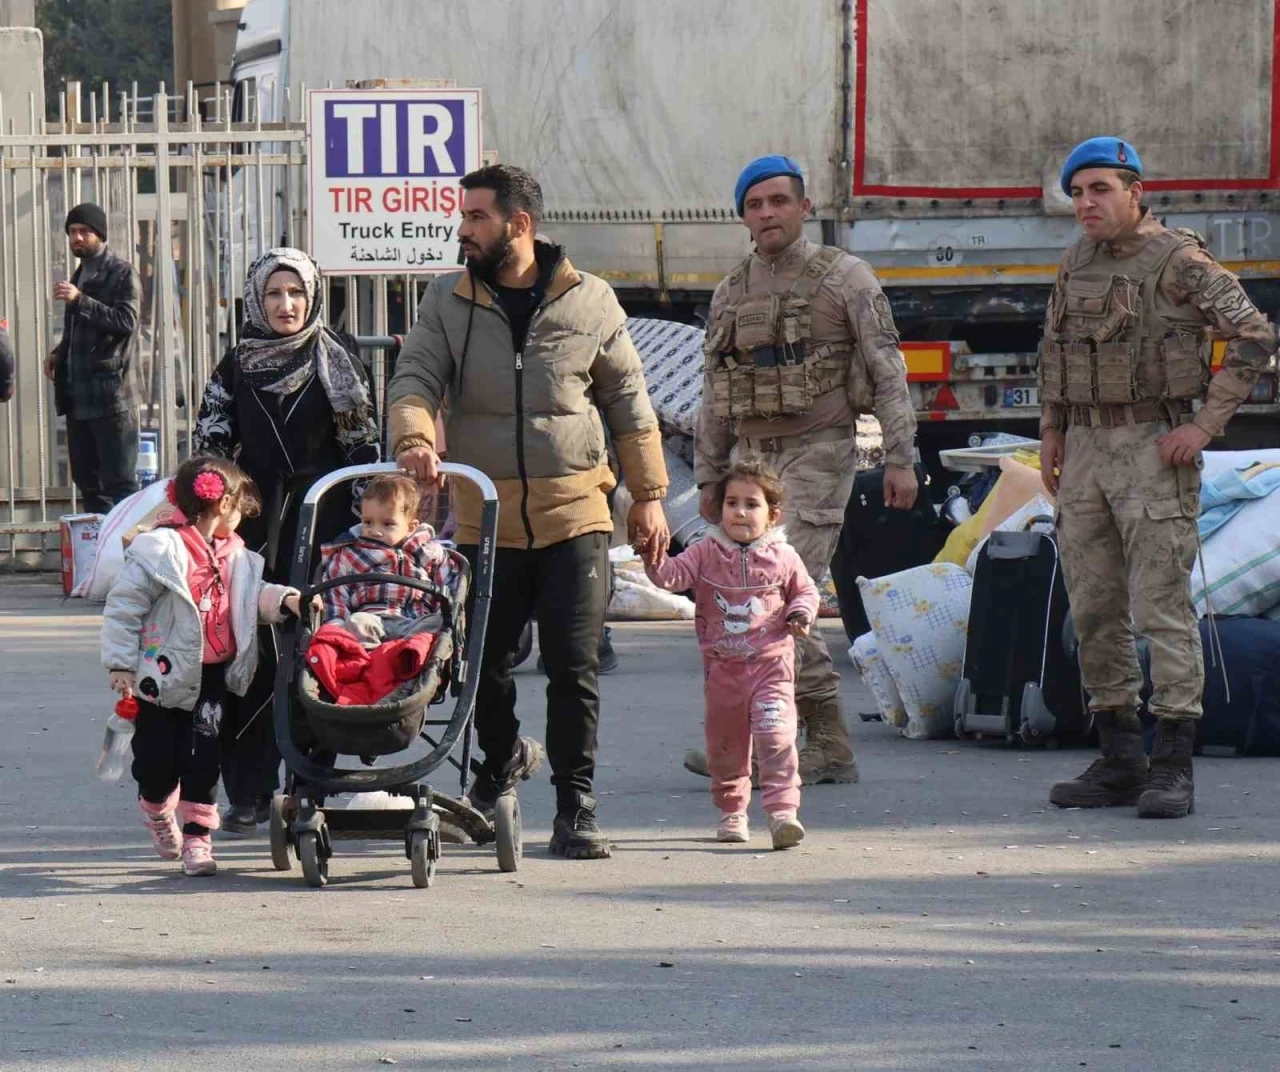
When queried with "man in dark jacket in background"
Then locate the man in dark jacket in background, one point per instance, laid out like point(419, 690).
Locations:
point(91, 365)
point(7, 371)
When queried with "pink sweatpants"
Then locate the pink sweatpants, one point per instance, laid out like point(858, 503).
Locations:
point(751, 706)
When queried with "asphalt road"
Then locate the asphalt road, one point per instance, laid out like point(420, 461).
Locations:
point(939, 915)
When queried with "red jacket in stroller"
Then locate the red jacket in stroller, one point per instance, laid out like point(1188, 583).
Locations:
point(357, 677)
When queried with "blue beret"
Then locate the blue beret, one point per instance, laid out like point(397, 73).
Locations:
point(1100, 152)
point(761, 168)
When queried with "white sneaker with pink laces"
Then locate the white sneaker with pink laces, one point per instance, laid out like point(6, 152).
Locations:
point(197, 855)
point(733, 827)
point(166, 835)
point(785, 829)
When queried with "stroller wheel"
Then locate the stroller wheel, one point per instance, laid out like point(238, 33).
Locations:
point(507, 827)
point(278, 828)
point(424, 851)
point(315, 867)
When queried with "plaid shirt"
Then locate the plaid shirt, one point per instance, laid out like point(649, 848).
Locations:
point(93, 359)
point(419, 556)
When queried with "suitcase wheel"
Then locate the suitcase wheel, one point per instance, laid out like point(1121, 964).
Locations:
point(1038, 722)
point(963, 701)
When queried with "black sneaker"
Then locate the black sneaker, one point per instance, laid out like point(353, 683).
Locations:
point(525, 759)
point(243, 820)
point(608, 657)
point(575, 835)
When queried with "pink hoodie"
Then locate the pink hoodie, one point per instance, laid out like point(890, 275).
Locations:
point(744, 595)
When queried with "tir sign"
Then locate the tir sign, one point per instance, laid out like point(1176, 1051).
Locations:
point(383, 170)
point(394, 139)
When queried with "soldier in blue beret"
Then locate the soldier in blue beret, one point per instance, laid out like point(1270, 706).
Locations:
point(1125, 357)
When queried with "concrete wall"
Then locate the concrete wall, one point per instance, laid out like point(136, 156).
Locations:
point(17, 12)
point(204, 36)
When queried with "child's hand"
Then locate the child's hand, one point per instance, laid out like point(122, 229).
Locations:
point(317, 605)
point(799, 624)
point(122, 682)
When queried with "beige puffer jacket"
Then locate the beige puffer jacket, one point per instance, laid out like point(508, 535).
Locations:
point(533, 422)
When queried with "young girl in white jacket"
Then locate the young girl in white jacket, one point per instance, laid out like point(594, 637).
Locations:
point(179, 632)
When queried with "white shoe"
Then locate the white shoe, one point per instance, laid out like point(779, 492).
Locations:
point(785, 829)
point(733, 827)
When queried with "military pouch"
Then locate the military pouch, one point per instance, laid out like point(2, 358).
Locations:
point(742, 392)
point(795, 388)
point(1108, 306)
point(720, 379)
point(1185, 371)
point(1077, 360)
point(828, 368)
point(755, 323)
point(1116, 363)
point(794, 326)
point(1052, 373)
point(767, 391)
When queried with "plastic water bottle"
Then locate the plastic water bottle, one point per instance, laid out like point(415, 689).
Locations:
point(148, 462)
point(115, 745)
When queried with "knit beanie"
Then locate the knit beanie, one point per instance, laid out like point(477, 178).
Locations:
point(91, 216)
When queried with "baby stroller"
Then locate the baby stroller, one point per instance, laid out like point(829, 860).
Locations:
point(311, 729)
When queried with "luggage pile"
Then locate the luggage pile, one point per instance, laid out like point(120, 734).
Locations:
point(977, 641)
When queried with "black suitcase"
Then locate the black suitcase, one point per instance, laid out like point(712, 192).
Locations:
point(877, 540)
point(1019, 682)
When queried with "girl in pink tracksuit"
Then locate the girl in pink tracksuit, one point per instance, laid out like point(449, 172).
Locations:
point(753, 597)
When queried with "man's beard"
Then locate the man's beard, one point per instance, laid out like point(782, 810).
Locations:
point(487, 264)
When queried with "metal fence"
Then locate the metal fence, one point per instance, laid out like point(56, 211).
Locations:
point(192, 193)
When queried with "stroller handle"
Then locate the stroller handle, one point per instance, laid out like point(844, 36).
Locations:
point(354, 472)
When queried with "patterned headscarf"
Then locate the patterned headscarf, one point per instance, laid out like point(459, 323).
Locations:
point(282, 364)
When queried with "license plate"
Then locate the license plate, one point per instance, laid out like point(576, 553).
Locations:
point(1021, 397)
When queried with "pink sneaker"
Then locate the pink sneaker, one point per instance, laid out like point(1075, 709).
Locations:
point(197, 855)
point(166, 835)
point(733, 827)
point(785, 829)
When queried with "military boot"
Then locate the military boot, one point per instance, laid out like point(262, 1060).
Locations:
point(1170, 791)
point(1118, 776)
point(695, 762)
point(827, 755)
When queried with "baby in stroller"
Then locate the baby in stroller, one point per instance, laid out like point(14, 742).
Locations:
point(389, 539)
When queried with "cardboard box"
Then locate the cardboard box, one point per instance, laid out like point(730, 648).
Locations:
point(79, 547)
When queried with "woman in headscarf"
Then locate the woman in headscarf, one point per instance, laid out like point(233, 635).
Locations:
point(288, 404)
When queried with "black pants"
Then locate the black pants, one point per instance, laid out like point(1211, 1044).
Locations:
point(250, 758)
point(566, 588)
point(172, 746)
point(103, 453)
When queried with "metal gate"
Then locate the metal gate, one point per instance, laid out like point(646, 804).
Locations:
point(194, 190)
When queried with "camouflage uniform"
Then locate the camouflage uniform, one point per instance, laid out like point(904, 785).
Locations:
point(843, 319)
point(1125, 355)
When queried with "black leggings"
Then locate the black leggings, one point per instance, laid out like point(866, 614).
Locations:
point(172, 747)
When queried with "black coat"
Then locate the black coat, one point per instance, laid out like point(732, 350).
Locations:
point(94, 357)
point(6, 361)
point(284, 442)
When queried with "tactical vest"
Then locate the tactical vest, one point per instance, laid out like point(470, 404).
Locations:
point(758, 355)
point(1106, 341)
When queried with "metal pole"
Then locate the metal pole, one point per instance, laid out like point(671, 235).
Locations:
point(6, 277)
point(42, 303)
point(164, 286)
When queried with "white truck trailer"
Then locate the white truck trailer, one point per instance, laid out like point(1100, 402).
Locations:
point(931, 133)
